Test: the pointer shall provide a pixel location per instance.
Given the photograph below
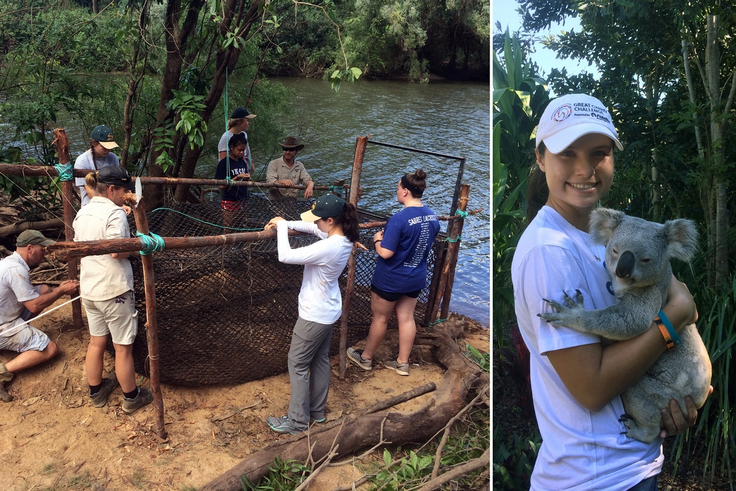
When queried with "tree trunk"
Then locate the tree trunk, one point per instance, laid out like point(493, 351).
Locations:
point(227, 58)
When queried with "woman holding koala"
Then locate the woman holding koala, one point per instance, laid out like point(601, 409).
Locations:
point(576, 380)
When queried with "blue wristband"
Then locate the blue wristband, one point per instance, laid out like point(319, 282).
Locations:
point(675, 338)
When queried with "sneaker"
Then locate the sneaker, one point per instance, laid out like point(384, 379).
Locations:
point(401, 368)
point(282, 425)
point(356, 356)
point(319, 420)
point(143, 398)
point(108, 385)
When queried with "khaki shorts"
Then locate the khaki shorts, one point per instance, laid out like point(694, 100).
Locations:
point(116, 316)
point(27, 339)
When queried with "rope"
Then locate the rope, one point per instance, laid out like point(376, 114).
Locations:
point(151, 243)
point(227, 144)
point(431, 325)
point(462, 214)
point(457, 239)
point(209, 223)
point(49, 311)
point(66, 171)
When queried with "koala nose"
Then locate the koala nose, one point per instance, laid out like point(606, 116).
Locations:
point(625, 265)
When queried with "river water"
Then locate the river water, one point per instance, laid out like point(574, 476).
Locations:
point(447, 118)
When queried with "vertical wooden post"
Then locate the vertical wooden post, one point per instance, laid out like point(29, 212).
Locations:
point(360, 144)
point(61, 141)
point(457, 230)
point(452, 251)
point(141, 224)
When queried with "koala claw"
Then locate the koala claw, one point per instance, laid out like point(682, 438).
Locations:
point(624, 418)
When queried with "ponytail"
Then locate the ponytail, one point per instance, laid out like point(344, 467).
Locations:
point(349, 222)
point(91, 181)
point(537, 191)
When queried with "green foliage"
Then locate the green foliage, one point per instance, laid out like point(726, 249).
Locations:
point(513, 460)
point(483, 360)
point(282, 476)
point(401, 475)
point(519, 99)
point(188, 108)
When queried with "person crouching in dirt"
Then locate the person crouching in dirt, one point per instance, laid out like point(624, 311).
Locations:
point(21, 301)
point(107, 290)
point(320, 304)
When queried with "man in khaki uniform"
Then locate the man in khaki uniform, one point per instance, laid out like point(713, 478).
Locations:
point(288, 170)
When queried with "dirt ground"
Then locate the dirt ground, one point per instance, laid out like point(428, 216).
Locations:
point(51, 437)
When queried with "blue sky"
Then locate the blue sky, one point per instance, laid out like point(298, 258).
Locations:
point(504, 11)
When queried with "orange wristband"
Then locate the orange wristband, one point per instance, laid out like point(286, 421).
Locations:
point(665, 334)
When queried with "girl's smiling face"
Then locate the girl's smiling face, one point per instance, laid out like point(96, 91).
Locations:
point(578, 176)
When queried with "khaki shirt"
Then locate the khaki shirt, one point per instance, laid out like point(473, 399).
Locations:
point(278, 171)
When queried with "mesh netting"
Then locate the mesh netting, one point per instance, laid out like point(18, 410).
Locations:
point(225, 314)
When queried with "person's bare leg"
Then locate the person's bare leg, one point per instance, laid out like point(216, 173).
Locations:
point(31, 358)
point(381, 310)
point(407, 327)
point(95, 357)
point(124, 367)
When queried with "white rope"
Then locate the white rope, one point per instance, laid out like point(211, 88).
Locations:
point(48, 311)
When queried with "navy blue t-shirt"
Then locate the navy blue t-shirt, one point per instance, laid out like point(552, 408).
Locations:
point(232, 193)
point(410, 234)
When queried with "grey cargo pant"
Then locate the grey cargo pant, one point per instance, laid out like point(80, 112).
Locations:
point(309, 372)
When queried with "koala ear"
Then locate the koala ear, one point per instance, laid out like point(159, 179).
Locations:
point(603, 221)
point(682, 238)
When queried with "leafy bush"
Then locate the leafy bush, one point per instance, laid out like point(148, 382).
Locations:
point(513, 460)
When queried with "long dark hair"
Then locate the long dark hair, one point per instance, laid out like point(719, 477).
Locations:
point(348, 220)
point(537, 191)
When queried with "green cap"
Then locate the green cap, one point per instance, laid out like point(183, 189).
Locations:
point(32, 237)
point(103, 135)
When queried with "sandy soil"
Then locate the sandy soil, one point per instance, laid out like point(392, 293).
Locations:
point(51, 437)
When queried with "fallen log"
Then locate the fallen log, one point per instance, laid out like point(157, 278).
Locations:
point(17, 228)
point(367, 430)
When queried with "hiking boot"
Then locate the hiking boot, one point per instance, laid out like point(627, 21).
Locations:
point(108, 385)
point(143, 398)
point(401, 368)
point(356, 356)
point(282, 425)
point(5, 376)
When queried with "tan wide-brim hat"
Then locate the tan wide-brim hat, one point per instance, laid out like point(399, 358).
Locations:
point(291, 142)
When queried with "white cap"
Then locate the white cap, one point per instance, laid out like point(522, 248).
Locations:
point(571, 116)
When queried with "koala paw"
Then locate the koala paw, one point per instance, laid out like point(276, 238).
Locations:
point(642, 432)
point(567, 314)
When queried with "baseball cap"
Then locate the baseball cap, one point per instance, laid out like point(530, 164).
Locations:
point(241, 112)
point(117, 176)
point(32, 237)
point(103, 135)
point(326, 206)
point(571, 116)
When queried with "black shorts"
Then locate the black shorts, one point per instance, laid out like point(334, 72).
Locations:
point(393, 297)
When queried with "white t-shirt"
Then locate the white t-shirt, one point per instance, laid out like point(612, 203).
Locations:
point(222, 146)
point(581, 450)
point(102, 277)
point(319, 298)
point(84, 161)
point(15, 288)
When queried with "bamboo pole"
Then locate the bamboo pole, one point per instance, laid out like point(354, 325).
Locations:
point(149, 285)
point(451, 251)
point(457, 230)
point(360, 144)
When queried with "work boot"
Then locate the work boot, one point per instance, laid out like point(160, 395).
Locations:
point(143, 398)
point(5, 376)
point(108, 385)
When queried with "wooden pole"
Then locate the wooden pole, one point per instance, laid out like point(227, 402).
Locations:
point(360, 144)
point(61, 142)
point(457, 230)
point(141, 224)
point(451, 252)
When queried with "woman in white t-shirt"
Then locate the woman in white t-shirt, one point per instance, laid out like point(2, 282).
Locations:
point(576, 380)
point(97, 157)
point(239, 122)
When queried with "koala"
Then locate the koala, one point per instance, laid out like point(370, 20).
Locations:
point(637, 259)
